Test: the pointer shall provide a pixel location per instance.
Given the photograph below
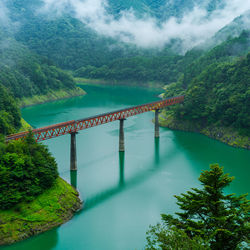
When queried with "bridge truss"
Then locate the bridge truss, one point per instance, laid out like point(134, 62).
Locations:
point(74, 126)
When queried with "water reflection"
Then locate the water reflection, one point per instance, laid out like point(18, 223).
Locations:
point(121, 165)
point(157, 151)
point(137, 179)
point(47, 240)
point(73, 178)
point(106, 194)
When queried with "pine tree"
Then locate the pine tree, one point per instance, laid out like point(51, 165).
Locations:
point(222, 220)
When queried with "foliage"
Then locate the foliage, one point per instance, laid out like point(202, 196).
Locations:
point(26, 74)
point(26, 170)
point(162, 68)
point(220, 94)
point(9, 113)
point(162, 236)
point(225, 52)
point(71, 45)
point(167, 67)
point(222, 220)
point(53, 207)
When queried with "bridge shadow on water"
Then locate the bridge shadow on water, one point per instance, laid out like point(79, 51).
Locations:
point(124, 184)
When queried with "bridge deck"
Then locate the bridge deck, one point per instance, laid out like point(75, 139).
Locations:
point(68, 127)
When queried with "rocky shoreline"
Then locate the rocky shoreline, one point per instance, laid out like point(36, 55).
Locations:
point(223, 134)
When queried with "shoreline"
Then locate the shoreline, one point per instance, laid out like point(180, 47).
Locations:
point(226, 135)
point(51, 209)
point(85, 81)
point(52, 96)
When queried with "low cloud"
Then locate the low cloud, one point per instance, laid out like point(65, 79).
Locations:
point(6, 24)
point(193, 28)
point(4, 18)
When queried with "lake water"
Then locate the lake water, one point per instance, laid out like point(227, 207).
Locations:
point(125, 193)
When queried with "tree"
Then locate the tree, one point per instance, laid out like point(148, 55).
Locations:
point(163, 236)
point(10, 115)
point(222, 220)
point(27, 169)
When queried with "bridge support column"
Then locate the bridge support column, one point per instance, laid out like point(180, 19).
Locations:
point(73, 162)
point(157, 133)
point(121, 136)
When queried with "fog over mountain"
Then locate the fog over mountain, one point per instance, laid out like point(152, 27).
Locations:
point(195, 26)
point(4, 19)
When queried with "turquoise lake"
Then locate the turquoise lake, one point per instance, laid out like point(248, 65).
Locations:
point(124, 193)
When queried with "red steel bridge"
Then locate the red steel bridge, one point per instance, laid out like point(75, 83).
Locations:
point(72, 127)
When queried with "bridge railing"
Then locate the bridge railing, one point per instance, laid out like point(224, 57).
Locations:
point(73, 126)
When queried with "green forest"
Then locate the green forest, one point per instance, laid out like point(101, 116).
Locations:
point(27, 169)
point(42, 56)
point(217, 87)
point(10, 118)
point(219, 95)
point(25, 73)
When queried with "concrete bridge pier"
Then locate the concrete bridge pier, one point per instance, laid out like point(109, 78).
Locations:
point(157, 133)
point(121, 136)
point(73, 162)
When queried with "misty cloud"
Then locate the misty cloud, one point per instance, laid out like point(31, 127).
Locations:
point(193, 28)
point(4, 19)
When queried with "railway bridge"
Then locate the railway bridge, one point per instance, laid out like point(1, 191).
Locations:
point(72, 127)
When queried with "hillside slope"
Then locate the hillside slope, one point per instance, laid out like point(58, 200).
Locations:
point(217, 103)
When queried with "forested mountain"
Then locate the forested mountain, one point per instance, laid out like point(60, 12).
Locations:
point(64, 39)
point(10, 115)
point(26, 74)
point(32, 52)
point(167, 67)
point(164, 68)
point(231, 30)
point(218, 96)
point(162, 9)
point(217, 87)
point(225, 52)
point(71, 44)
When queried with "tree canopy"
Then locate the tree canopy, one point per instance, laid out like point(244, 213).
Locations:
point(9, 113)
point(208, 216)
point(219, 95)
point(26, 170)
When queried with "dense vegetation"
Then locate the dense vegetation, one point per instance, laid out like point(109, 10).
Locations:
point(227, 51)
point(26, 170)
point(167, 67)
point(50, 209)
point(216, 84)
point(164, 68)
point(9, 113)
point(219, 95)
point(161, 9)
point(69, 44)
point(26, 74)
point(208, 218)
